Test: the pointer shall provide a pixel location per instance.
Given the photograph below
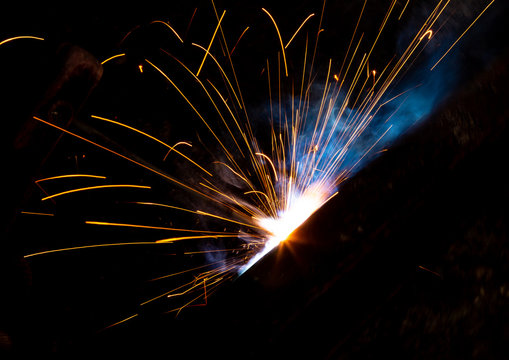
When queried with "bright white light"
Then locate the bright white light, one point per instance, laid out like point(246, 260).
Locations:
point(299, 208)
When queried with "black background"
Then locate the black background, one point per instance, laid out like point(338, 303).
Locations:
point(356, 288)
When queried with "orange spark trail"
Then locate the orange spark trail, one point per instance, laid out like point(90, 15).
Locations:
point(94, 188)
point(70, 176)
point(280, 40)
point(458, 39)
point(296, 32)
point(20, 37)
point(210, 44)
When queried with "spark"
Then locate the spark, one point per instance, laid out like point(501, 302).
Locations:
point(112, 57)
point(36, 213)
point(179, 238)
point(210, 44)
point(171, 148)
point(240, 37)
point(403, 11)
point(296, 32)
point(102, 245)
point(20, 37)
point(94, 188)
point(120, 322)
point(428, 33)
point(71, 176)
point(169, 27)
point(280, 40)
point(280, 187)
point(464, 32)
point(270, 162)
point(103, 223)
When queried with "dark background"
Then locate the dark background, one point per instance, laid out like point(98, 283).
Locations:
point(409, 262)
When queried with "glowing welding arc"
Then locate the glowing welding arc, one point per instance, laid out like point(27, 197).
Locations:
point(20, 37)
point(280, 40)
point(94, 188)
point(270, 162)
point(169, 27)
point(210, 44)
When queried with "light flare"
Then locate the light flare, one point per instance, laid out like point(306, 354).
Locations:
point(299, 207)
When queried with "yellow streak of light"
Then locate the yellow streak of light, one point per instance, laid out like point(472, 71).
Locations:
point(179, 238)
point(428, 33)
point(164, 205)
point(257, 192)
point(183, 272)
point(216, 272)
point(210, 44)
point(210, 98)
point(119, 322)
point(169, 27)
point(153, 138)
point(177, 144)
point(243, 178)
point(20, 37)
point(210, 251)
point(94, 188)
point(91, 247)
point(226, 219)
point(300, 27)
point(112, 57)
point(280, 40)
point(270, 162)
point(402, 11)
point(70, 176)
point(240, 37)
point(192, 107)
point(220, 68)
point(459, 38)
point(122, 156)
point(36, 213)
point(103, 223)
